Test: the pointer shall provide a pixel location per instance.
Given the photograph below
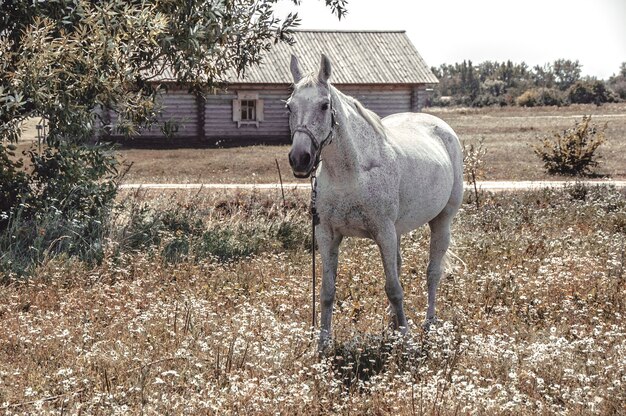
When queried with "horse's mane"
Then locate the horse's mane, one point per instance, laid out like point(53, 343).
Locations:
point(371, 117)
point(368, 115)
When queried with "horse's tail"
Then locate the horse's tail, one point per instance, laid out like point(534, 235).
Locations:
point(451, 261)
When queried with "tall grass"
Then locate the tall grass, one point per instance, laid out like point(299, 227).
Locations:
point(531, 324)
point(226, 230)
point(57, 204)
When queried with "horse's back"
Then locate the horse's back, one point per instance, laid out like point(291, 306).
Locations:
point(419, 132)
point(415, 126)
point(430, 154)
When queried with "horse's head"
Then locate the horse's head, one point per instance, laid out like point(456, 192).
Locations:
point(311, 117)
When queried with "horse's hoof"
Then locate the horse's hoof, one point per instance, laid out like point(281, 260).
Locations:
point(399, 330)
point(324, 345)
point(429, 322)
point(394, 327)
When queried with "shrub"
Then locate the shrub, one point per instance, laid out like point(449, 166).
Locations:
point(571, 152)
point(492, 92)
point(59, 206)
point(617, 83)
point(488, 100)
point(228, 243)
point(440, 101)
point(293, 235)
point(551, 96)
point(141, 230)
point(541, 97)
point(239, 227)
point(619, 88)
point(587, 92)
point(527, 99)
point(474, 164)
point(13, 183)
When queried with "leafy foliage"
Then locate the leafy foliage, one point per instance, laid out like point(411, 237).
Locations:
point(588, 92)
point(566, 73)
point(507, 83)
point(617, 82)
point(63, 59)
point(572, 152)
point(13, 183)
point(224, 233)
point(541, 97)
point(66, 61)
point(60, 207)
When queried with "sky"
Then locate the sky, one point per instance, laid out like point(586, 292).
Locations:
point(448, 31)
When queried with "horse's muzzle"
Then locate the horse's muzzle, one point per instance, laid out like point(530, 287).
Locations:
point(301, 161)
point(302, 174)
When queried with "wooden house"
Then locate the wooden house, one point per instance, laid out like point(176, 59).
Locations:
point(382, 69)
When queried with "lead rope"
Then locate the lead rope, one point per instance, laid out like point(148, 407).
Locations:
point(315, 219)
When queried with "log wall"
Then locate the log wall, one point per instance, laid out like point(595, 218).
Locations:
point(201, 121)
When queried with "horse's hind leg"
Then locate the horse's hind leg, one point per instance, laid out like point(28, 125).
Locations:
point(439, 243)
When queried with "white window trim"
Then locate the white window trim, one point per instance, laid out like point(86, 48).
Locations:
point(249, 96)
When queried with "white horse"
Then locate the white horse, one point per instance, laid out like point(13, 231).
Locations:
point(377, 179)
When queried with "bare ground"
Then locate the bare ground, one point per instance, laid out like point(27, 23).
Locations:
point(508, 133)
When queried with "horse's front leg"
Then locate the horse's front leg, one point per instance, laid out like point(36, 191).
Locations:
point(328, 244)
point(388, 243)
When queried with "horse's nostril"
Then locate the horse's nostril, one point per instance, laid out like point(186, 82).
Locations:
point(292, 163)
point(305, 159)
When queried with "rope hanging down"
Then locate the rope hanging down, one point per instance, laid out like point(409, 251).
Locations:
point(315, 220)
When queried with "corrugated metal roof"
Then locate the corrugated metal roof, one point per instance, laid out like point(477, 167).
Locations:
point(358, 57)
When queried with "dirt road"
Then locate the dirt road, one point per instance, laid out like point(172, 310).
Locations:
point(484, 185)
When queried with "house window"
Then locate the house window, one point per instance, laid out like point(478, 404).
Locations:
point(247, 109)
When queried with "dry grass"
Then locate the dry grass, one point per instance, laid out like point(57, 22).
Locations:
point(507, 132)
point(250, 164)
point(532, 324)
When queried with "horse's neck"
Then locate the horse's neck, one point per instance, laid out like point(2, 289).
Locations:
point(354, 140)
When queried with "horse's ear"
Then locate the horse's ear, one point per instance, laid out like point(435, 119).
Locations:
point(295, 69)
point(324, 70)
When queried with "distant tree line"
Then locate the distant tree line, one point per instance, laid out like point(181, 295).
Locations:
point(506, 83)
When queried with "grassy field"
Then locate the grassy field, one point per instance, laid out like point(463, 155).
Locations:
point(507, 132)
point(202, 302)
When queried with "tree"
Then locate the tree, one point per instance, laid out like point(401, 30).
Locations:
point(589, 91)
point(566, 73)
point(543, 76)
point(63, 59)
point(617, 82)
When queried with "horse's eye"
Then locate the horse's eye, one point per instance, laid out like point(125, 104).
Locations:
point(288, 108)
point(324, 106)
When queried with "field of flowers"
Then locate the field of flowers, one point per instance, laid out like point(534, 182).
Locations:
point(201, 305)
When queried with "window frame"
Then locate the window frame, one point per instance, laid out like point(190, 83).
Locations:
point(254, 104)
